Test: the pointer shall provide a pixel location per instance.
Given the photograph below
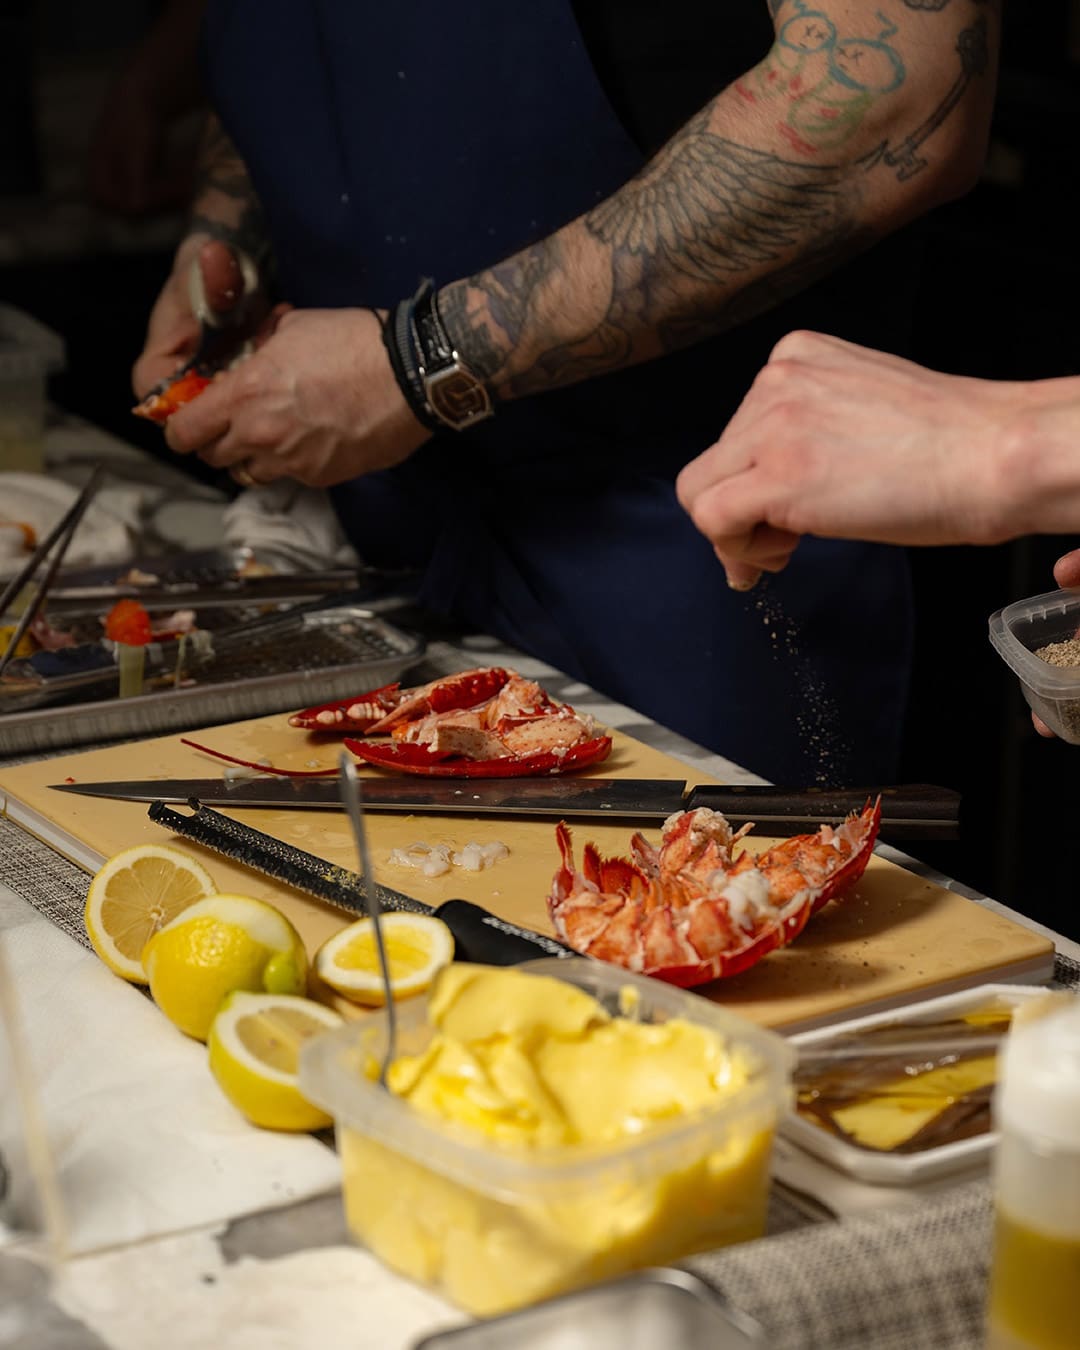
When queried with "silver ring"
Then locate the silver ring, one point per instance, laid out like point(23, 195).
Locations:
point(242, 476)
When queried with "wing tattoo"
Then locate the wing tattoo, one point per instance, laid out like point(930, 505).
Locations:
point(709, 208)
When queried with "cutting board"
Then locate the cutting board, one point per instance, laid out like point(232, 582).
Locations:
point(894, 939)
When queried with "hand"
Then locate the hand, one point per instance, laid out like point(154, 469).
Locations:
point(318, 402)
point(173, 331)
point(843, 442)
point(1066, 574)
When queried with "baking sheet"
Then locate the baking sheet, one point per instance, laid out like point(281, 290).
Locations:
point(299, 657)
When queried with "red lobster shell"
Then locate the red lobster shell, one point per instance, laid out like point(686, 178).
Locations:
point(693, 911)
point(482, 723)
point(161, 402)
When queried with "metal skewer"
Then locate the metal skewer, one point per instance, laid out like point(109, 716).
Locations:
point(351, 794)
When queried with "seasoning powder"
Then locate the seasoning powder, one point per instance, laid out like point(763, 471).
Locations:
point(1066, 654)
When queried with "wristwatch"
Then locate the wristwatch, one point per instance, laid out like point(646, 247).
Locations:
point(456, 396)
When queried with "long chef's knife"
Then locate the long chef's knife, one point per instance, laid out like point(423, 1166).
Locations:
point(912, 811)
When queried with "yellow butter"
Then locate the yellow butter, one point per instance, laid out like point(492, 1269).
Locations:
point(533, 1066)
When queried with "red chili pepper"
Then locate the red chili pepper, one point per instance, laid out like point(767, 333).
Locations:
point(129, 623)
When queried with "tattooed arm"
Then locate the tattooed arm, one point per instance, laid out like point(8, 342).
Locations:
point(863, 115)
point(225, 215)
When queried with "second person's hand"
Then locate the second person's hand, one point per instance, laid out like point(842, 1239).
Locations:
point(318, 402)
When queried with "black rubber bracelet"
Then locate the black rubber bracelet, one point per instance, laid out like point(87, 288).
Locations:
point(397, 336)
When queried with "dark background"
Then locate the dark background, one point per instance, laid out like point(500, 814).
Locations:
point(998, 297)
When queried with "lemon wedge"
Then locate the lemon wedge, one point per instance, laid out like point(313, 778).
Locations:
point(135, 894)
point(417, 948)
point(216, 946)
point(254, 1045)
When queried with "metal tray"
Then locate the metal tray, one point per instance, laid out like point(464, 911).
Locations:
point(651, 1310)
point(200, 578)
point(290, 660)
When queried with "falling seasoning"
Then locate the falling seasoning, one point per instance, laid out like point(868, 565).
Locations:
point(1065, 655)
point(817, 717)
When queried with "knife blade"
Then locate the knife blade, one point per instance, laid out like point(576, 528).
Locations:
point(912, 811)
point(479, 935)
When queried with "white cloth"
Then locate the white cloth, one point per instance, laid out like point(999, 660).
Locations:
point(107, 532)
point(142, 1141)
point(290, 525)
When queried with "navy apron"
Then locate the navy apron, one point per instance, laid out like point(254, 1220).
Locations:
point(388, 142)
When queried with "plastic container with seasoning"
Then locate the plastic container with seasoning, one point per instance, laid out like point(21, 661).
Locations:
point(494, 1228)
point(29, 353)
point(1035, 1271)
point(1051, 684)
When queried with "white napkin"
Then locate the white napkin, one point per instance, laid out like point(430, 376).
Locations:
point(142, 1140)
point(106, 533)
point(295, 525)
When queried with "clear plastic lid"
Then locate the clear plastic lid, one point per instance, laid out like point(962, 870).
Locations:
point(28, 349)
point(1039, 1092)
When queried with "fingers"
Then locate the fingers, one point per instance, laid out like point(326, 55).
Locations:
point(1041, 727)
point(1067, 570)
point(200, 426)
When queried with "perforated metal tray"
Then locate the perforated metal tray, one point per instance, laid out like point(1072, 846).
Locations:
point(295, 658)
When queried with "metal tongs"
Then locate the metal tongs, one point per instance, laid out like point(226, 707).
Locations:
point(60, 535)
point(349, 785)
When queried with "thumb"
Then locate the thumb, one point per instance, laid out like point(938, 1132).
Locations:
point(740, 576)
point(1067, 569)
point(222, 276)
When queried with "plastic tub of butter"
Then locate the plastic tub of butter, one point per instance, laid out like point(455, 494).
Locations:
point(909, 1122)
point(1051, 682)
point(494, 1225)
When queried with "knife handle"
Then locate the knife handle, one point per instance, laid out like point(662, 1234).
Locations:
point(483, 937)
point(910, 810)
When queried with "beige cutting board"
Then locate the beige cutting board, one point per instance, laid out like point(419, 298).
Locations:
point(894, 939)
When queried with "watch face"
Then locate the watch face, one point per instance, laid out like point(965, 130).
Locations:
point(458, 397)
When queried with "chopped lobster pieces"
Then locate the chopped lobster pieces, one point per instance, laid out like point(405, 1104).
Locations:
point(160, 404)
point(487, 722)
point(694, 910)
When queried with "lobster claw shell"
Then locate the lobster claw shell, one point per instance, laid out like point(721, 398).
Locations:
point(348, 714)
point(171, 395)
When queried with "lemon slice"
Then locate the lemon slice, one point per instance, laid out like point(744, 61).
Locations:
point(136, 893)
point(217, 945)
point(417, 948)
point(255, 1044)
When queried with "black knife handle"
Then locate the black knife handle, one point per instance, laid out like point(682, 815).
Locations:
point(483, 937)
point(908, 811)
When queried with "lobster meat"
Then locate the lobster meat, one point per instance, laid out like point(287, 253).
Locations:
point(694, 910)
point(482, 723)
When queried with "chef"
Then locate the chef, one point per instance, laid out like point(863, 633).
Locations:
point(612, 200)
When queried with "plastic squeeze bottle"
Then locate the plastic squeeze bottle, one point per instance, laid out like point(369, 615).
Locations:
point(1035, 1273)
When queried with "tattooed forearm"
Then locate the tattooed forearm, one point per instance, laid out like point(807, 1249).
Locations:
point(678, 245)
point(225, 205)
point(817, 151)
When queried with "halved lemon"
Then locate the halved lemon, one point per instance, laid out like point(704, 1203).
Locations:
point(417, 948)
point(254, 1043)
point(136, 893)
point(218, 945)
